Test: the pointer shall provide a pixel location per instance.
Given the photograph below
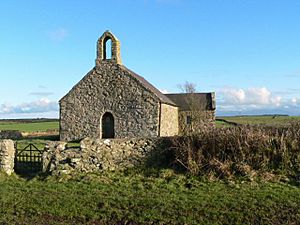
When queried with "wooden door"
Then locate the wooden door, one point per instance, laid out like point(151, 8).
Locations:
point(108, 126)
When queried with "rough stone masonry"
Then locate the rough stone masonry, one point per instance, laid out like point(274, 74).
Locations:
point(7, 156)
point(112, 101)
point(96, 155)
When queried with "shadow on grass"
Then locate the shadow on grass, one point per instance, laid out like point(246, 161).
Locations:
point(46, 138)
point(162, 157)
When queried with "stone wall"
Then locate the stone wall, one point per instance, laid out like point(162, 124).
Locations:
point(199, 120)
point(7, 156)
point(168, 120)
point(98, 154)
point(10, 134)
point(109, 88)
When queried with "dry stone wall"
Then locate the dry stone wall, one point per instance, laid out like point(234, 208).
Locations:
point(134, 108)
point(7, 156)
point(96, 155)
point(10, 134)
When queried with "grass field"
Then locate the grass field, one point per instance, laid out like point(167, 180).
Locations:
point(263, 120)
point(152, 196)
point(29, 126)
point(146, 197)
point(36, 125)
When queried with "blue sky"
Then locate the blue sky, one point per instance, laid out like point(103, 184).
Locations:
point(248, 51)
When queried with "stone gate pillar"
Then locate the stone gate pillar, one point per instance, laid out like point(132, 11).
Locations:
point(7, 156)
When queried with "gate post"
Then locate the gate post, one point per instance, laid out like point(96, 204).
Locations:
point(7, 156)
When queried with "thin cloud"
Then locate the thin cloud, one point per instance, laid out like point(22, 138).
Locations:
point(288, 91)
point(42, 105)
point(292, 76)
point(58, 35)
point(41, 93)
point(295, 102)
point(53, 114)
point(295, 74)
point(42, 87)
point(164, 91)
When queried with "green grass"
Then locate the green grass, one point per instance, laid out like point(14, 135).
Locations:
point(264, 120)
point(220, 124)
point(39, 143)
point(144, 197)
point(155, 197)
point(30, 126)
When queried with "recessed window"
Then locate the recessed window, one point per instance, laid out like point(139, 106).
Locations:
point(188, 120)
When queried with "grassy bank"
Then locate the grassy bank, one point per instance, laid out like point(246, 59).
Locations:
point(146, 197)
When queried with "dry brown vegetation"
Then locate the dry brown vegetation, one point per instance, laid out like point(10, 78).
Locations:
point(241, 151)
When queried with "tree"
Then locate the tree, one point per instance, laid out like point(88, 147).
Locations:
point(188, 87)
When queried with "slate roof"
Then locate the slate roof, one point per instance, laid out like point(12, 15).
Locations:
point(201, 101)
point(163, 98)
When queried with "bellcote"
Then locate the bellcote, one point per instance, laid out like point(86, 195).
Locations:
point(102, 49)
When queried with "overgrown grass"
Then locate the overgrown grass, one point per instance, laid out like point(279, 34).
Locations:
point(240, 151)
point(145, 197)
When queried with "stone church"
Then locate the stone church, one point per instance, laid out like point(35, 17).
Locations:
point(111, 101)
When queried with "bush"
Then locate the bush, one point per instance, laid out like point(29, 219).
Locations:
point(240, 151)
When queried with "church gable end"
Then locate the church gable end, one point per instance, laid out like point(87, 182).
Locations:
point(112, 101)
point(109, 89)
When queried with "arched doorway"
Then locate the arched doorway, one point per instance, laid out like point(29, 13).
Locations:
point(108, 125)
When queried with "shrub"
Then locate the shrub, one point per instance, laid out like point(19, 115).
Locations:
point(240, 150)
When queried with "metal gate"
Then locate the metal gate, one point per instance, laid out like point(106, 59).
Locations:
point(28, 160)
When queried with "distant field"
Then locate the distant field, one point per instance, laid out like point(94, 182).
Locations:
point(265, 120)
point(50, 124)
point(29, 126)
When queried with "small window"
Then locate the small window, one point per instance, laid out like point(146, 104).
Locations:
point(189, 120)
